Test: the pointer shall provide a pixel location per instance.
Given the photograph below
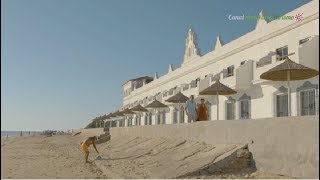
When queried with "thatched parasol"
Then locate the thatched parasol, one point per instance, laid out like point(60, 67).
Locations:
point(115, 116)
point(97, 120)
point(108, 121)
point(117, 113)
point(127, 111)
point(218, 89)
point(155, 105)
point(104, 117)
point(287, 71)
point(112, 115)
point(101, 119)
point(178, 98)
point(109, 116)
point(139, 108)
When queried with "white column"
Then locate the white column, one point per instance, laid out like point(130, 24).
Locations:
point(217, 105)
point(289, 93)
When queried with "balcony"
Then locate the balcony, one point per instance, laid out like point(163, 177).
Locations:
point(308, 53)
point(244, 75)
point(229, 81)
point(204, 83)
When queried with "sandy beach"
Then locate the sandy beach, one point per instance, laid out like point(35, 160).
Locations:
point(45, 157)
point(59, 156)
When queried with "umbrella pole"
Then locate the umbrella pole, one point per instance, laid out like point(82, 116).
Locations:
point(217, 105)
point(289, 93)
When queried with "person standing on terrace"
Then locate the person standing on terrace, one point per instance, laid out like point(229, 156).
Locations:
point(191, 109)
point(202, 111)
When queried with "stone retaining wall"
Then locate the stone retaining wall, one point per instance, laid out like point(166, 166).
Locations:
point(287, 145)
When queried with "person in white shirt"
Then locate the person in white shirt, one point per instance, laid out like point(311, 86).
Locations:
point(191, 109)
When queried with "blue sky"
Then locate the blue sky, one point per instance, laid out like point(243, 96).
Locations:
point(63, 62)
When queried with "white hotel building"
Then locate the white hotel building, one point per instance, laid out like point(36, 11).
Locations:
point(238, 65)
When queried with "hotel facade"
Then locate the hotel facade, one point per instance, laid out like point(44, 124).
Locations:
point(238, 65)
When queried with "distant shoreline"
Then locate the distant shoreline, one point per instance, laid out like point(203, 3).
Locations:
point(17, 133)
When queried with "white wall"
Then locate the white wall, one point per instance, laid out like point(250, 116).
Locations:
point(288, 146)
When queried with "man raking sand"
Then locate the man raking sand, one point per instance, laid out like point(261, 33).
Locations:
point(85, 146)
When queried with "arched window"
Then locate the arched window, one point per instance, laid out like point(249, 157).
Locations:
point(175, 116)
point(181, 115)
point(139, 120)
point(163, 117)
point(244, 109)
point(308, 99)
point(307, 102)
point(281, 102)
point(158, 117)
point(150, 118)
point(146, 119)
point(130, 121)
point(208, 105)
point(230, 109)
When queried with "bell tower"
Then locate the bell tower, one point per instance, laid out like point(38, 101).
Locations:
point(192, 49)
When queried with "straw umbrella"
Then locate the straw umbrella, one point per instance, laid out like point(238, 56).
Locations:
point(115, 115)
point(127, 111)
point(95, 120)
point(155, 105)
point(288, 71)
point(111, 115)
point(179, 98)
point(124, 112)
point(218, 89)
point(138, 108)
point(107, 117)
point(101, 119)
